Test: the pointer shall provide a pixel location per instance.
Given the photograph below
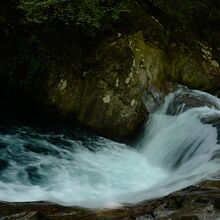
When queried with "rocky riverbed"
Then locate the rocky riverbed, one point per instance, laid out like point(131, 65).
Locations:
point(197, 202)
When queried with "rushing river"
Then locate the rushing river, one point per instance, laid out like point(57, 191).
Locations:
point(179, 147)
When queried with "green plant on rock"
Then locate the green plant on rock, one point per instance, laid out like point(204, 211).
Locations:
point(90, 13)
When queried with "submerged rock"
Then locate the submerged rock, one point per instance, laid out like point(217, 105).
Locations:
point(187, 99)
point(215, 122)
point(153, 99)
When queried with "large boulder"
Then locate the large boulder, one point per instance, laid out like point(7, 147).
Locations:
point(107, 96)
point(103, 86)
point(194, 67)
point(103, 81)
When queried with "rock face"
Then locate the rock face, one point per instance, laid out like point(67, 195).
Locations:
point(108, 96)
point(101, 83)
point(194, 68)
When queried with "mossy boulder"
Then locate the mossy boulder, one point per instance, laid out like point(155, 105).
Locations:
point(194, 67)
point(107, 96)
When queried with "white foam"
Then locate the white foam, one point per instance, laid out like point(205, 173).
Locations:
point(175, 152)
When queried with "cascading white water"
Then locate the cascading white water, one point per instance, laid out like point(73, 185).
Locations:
point(177, 150)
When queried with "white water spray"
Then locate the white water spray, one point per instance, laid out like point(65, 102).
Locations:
point(176, 151)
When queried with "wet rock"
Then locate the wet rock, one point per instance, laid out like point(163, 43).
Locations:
point(188, 99)
point(196, 202)
point(215, 122)
point(153, 99)
point(210, 184)
point(217, 203)
point(189, 217)
point(189, 66)
point(108, 96)
point(24, 216)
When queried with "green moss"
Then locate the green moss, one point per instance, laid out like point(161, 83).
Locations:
point(87, 13)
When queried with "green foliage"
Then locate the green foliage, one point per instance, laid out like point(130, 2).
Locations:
point(91, 13)
point(95, 14)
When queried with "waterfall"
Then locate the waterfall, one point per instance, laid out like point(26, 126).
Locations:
point(180, 147)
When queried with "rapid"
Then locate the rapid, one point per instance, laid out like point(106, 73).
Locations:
point(178, 147)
